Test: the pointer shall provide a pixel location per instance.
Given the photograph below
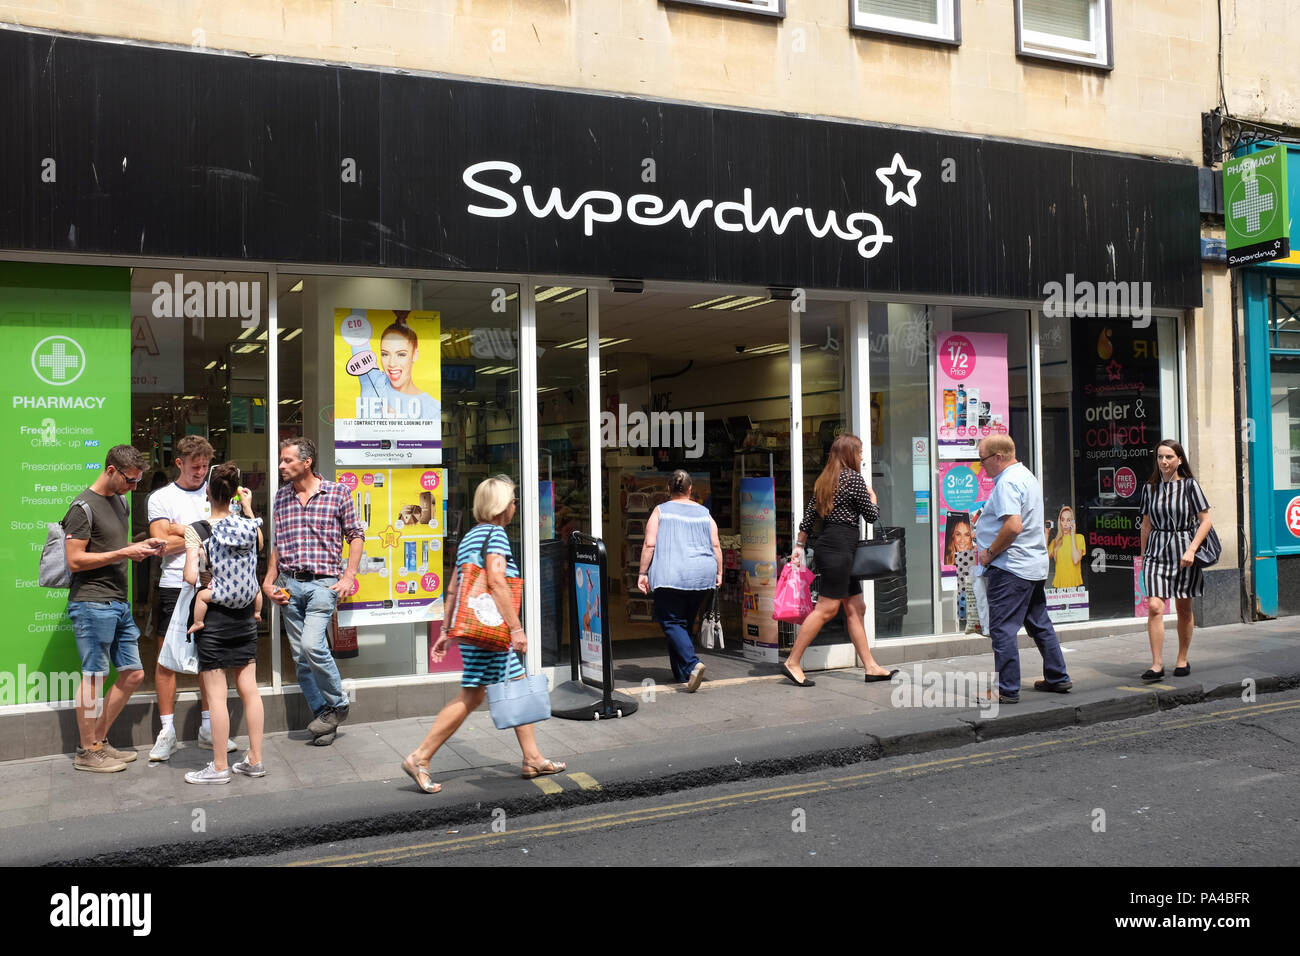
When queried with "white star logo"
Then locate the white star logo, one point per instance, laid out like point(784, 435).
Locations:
point(894, 194)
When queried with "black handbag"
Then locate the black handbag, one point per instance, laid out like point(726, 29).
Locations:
point(1209, 551)
point(878, 557)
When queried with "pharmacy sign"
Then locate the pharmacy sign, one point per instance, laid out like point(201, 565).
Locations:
point(1255, 207)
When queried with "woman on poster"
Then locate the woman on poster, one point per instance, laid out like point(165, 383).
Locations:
point(394, 380)
point(681, 562)
point(840, 497)
point(1067, 549)
point(1175, 521)
point(494, 508)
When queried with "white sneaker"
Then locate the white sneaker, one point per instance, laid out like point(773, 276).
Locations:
point(205, 740)
point(697, 675)
point(165, 745)
point(209, 774)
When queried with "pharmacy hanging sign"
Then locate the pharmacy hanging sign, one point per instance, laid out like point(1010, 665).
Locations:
point(1255, 207)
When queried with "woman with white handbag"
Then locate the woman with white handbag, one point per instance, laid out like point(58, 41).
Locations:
point(681, 562)
point(485, 547)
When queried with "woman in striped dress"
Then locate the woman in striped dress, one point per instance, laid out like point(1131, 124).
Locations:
point(494, 508)
point(1175, 521)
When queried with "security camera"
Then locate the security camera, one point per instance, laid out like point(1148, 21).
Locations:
point(740, 348)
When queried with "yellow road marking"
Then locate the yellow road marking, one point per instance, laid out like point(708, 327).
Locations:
point(675, 689)
point(585, 781)
point(547, 785)
point(1143, 689)
point(710, 804)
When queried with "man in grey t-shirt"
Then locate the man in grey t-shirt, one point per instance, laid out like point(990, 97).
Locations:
point(1012, 558)
point(98, 548)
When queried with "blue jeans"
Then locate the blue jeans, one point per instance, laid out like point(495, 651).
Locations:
point(306, 623)
point(105, 631)
point(675, 611)
point(1014, 601)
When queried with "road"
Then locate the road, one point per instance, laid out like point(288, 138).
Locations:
point(1207, 785)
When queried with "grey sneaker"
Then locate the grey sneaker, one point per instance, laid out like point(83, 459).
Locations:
point(165, 745)
point(249, 769)
point(126, 756)
point(324, 740)
point(328, 720)
point(205, 741)
point(97, 761)
point(209, 774)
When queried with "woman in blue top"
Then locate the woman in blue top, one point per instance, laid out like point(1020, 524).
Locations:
point(681, 561)
point(494, 508)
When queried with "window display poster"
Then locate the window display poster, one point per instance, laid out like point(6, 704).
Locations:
point(758, 567)
point(1115, 423)
point(1067, 598)
point(387, 387)
point(971, 390)
point(546, 510)
point(67, 331)
point(592, 630)
point(964, 487)
point(400, 578)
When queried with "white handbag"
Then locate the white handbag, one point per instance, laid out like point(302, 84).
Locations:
point(711, 625)
point(179, 652)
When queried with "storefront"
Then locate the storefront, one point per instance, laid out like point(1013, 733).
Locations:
point(1270, 296)
point(665, 285)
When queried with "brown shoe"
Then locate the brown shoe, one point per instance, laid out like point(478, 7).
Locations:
point(96, 760)
point(126, 756)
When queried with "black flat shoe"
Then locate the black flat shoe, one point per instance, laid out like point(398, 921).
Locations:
point(1152, 676)
point(790, 677)
point(873, 678)
point(1183, 671)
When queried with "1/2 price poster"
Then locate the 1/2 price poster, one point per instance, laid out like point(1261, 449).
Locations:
point(400, 578)
point(972, 392)
point(387, 387)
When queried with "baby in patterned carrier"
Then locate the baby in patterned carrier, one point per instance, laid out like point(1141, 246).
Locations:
point(232, 552)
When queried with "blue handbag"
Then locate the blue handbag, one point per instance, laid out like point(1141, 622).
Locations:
point(515, 703)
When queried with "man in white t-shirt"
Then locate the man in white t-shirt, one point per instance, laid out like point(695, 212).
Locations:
point(171, 509)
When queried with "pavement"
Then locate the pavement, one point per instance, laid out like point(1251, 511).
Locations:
point(745, 722)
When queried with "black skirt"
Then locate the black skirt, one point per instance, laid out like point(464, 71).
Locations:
point(228, 639)
point(833, 557)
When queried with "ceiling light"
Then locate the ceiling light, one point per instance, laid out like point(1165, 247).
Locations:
point(753, 305)
point(293, 334)
point(551, 293)
point(298, 287)
point(210, 366)
point(737, 301)
point(572, 295)
point(708, 302)
point(247, 332)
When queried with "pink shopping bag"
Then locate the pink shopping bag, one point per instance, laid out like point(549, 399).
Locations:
point(793, 600)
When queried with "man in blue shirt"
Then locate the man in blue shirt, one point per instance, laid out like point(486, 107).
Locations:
point(1012, 546)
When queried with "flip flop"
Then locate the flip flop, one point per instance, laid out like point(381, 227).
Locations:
point(546, 768)
point(415, 772)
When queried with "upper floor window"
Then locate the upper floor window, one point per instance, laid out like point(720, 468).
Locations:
point(1075, 31)
point(767, 8)
point(938, 20)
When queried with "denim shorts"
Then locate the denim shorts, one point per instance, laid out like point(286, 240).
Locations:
point(105, 631)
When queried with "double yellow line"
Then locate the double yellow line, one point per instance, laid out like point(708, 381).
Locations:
point(711, 804)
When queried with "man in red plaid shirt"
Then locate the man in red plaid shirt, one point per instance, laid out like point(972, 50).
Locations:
point(311, 518)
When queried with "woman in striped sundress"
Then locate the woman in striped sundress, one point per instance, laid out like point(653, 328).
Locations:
point(494, 508)
point(1175, 521)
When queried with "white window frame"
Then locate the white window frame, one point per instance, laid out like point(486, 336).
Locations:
point(761, 8)
point(947, 30)
point(1098, 52)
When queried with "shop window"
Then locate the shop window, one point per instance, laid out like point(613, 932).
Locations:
point(1284, 324)
point(924, 19)
point(412, 432)
point(1284, 385)
point(564, 453)
point(1076, 31)
point(1109, 396)
point(767, 8)
point(199, 343)
point(899, 357)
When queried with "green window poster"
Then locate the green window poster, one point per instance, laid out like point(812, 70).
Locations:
point(67, 400)
point(1255, 207)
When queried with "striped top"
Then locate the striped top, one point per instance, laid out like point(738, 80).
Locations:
point(471, 547)
point(1174, 505)
point(683, 556)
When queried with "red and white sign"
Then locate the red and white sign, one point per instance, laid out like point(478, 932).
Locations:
point(1126, 482)
point(1293, 516)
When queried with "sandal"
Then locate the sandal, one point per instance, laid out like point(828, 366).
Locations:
point(545, 768)
point(415, 771)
